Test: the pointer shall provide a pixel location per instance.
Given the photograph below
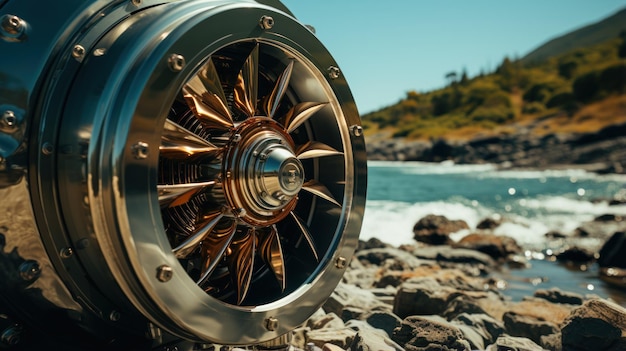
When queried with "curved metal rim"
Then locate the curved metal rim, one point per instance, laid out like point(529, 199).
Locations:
point(147, 248)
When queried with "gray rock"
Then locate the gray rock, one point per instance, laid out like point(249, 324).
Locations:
point(462, 304)
point(390, 256)
point(454, 255)
point(346, 295)
point(527, 326)
point(557, 296)
point(383, 320)
point(435, 229)
point(511, 343)
point(370, 338)
point(596, 325)
point(423, 296)
point(487, 327)
point(339, 337)
point(422, 334)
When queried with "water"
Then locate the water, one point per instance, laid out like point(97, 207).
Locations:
point(532, 202)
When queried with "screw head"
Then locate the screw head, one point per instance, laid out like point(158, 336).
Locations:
point(29, 270)
point(356, 130)
point(12, 25)
point(136, 2)
point(141, 150)
point(271, 324)
point(341, 262)
point(47, 148)
point(164, 273)
point(78, 52)
point(176, 62)
point(67, 252)
point(266, 22)
point(334, 72)
point(8, 122)
point(114, 316)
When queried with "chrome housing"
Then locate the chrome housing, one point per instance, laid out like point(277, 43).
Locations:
point(196, 171)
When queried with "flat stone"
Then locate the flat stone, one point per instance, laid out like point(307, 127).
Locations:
point(422, 334)
point(527, 326)
point(511, 343)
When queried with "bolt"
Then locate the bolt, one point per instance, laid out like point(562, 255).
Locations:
point(356, 130)
point(341, 262)
point(164, 273)
point(239, 212)
point(114, 316)
point(30, 270)
point(271, 324)
point(78, 52)
point(12, 335)
point(176, 62)
point(47, 149)
point(67, 252)
point(136, 2)
point(12, 25)
point(141, 150)
point(266, 22)
point(8, 123)
point(334, 72)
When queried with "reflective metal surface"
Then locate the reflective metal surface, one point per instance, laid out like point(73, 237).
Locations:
point(175, 172)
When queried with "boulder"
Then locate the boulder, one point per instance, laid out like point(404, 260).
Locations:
point(346, 295)
point(340, 337)
point(422, 334)
point(436, 230)
point(511, 343)
point(528, 326)
point(385, 321)
point(596, 325)
point(496, 246)
point(576, 255)
point(484, 325)
point(423, 296)
point(557, 296)
point(391, 257)
point(490, 223)
point(444, 254)
point(613, 252)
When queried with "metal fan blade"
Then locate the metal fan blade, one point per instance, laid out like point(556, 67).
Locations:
point(272, 253)
point(178, 194)
point(279, 90)
point(190, 244)
point(206, 113)
point(246, 89)
point(213, 247)
point(300, 113)
point(306, 234)
point(175, 134)
point(318, 189)
point(314, 149)
point(241, 262)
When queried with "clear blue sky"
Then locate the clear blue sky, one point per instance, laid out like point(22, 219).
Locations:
point(387, 48)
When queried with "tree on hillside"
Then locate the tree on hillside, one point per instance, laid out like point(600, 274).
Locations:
point(451, 77)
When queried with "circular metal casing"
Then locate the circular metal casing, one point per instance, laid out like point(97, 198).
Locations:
point(87, 145)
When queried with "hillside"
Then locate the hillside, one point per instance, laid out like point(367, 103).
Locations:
point(590, 35)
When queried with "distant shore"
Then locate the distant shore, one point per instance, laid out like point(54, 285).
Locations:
point(603, 151)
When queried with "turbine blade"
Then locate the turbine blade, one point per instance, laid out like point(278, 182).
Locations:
point(187, 246)
point(175, 134)
point(246, 89)
point(271, 251)
point(314, 149)
point(213, 248)
point(300, 113)
point(178, 194)
point(206, 113)
point(318, 189)
point(279, 91)
point(241, 261)
point(306, 234)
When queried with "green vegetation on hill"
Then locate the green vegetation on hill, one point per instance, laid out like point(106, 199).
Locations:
point(556, 94)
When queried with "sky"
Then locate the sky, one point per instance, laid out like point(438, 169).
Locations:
point(388, 48)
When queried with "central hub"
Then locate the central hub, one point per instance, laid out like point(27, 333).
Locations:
point(263, 175)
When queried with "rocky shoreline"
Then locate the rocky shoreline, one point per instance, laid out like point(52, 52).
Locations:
point(442, 294)
point(603, 151)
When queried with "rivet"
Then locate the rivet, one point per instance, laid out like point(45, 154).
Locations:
point(47, 148)
point(67, 252)
point(12, 335)
point(271, 324)
point(12, 25)
point(341, 262)
point(236, 138)
point(114, 316)
point(266, 22)
point(164, 273)
point(356, 130)
point(136, 2)
point(176, 62)
point(239, 212)
point(334, 72)
point(29, 270)
point(78, 52)
point(140, 150)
